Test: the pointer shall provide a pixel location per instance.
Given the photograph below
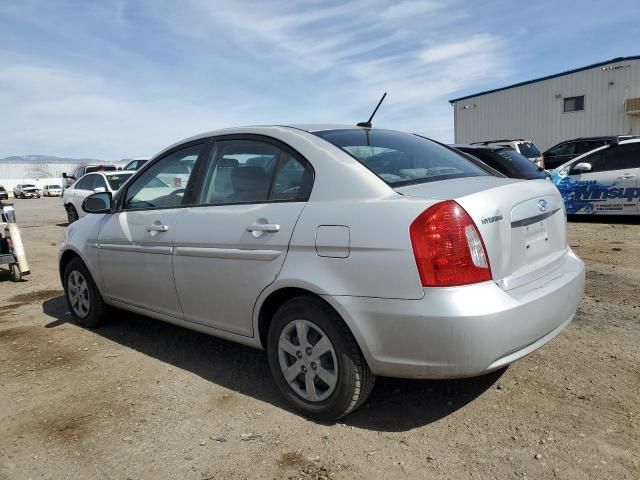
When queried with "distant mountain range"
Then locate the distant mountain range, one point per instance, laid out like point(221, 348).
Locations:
point(53, 159)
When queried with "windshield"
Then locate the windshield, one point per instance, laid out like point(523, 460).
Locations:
point(28, 185)
point(52, 187)
point(402, 158)
point(116, 181)
point(529, 150)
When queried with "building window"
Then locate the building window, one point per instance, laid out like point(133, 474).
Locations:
point(574, 104)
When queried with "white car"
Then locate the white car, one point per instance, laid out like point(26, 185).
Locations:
point(345, 252)
point(603, 181)
point(26, 190)
point(52, 191)
point(95, 182)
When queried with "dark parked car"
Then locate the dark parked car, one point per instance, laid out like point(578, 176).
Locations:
point(4, 195)
point(505, 160)
point(570, 149)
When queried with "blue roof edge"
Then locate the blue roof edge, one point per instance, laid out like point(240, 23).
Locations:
point(575, 70)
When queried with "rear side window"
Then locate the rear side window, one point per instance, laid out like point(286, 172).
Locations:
point(529, 150)
point(402, 158)
point(252, 171)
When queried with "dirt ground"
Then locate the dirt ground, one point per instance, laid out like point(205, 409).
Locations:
point(143, 399)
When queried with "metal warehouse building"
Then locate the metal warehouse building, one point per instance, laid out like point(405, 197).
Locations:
point(13, 172)
point(599, 99)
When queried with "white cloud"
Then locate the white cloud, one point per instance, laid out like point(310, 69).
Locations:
point(474, 45)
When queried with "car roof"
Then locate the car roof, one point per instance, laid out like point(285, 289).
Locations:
point(307, 127)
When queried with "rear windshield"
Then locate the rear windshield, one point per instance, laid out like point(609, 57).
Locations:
point(51, 187)
point(402, 158)
point(101, 168)
point(529, 150)
point(28, 185)
point(116, 181)
point(508, 162)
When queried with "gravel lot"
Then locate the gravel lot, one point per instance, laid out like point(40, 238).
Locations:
point(144, 399)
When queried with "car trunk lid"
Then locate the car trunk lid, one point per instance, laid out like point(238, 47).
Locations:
point(521, 222)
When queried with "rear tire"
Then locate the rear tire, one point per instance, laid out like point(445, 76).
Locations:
point(82, 295)
point(329, 352)
point(72, 213)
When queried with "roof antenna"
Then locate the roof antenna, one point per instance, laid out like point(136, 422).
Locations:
point(367, 124)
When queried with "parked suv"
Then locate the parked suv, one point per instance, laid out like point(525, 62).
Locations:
point(570, 149)
point(505, 160)
point(26, 190)
point(80, 171)
point(344, 252)
point(4, 195)
point(524, 147)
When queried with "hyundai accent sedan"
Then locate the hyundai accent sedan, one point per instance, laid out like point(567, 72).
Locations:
point(344, 252)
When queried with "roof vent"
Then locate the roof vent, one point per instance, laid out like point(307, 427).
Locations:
point(632, 106)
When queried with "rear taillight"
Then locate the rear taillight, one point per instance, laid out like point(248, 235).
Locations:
point(448, 247)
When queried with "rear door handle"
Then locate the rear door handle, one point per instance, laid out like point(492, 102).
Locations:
point(264, 227)
point(626, 176)
point(157, 228)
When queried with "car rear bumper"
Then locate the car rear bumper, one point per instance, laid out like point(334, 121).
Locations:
point(463, 331)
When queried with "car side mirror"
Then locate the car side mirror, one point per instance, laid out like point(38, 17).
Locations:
point(97, 203)
point(582, 167)
point(99, 190)
point(64, 175)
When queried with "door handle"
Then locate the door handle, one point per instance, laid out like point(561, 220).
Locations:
point(157, 228)
point(626, 176)
point(264, 227)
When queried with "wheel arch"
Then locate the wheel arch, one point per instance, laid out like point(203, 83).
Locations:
point(65, 258)
point(276, 297)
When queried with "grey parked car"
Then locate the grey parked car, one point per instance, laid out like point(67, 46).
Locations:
point(344, 252)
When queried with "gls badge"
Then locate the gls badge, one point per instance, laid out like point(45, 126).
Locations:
point(542, 205)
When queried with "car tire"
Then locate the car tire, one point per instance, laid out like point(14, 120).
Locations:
point(72, 213)
point(351, 381)
point(83, 298)
point(15, 273)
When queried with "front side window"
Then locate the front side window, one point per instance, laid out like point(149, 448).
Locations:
point(402, 158)
point(598, 160)
point(163, 185)
point(98, 182)
point(251, 171)
point(574, 104)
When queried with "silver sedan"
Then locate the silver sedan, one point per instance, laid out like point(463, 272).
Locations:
point(344, 252)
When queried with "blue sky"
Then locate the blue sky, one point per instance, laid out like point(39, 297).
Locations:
point(125, 78)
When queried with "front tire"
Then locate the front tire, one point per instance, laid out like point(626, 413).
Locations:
point(72, 213)
point(83, 297)
point(315, 361)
